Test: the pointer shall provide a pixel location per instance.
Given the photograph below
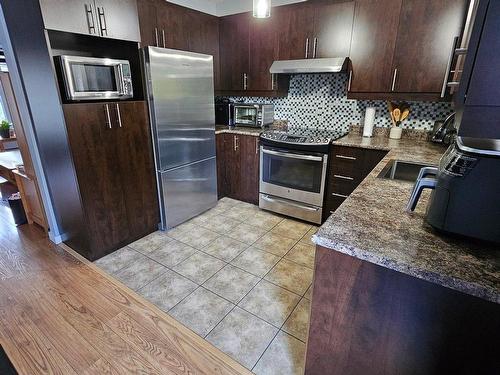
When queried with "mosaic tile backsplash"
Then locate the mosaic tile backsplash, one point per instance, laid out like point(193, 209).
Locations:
point(319, 101)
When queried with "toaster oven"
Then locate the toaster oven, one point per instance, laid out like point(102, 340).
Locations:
point(254, 115)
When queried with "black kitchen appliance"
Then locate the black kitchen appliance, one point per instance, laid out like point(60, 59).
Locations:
point(465, 198)
point(224, 112)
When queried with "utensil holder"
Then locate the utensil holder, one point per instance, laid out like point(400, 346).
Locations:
point(395, 133)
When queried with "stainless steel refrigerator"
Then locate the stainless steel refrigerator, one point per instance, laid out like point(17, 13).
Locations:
point(180, 92)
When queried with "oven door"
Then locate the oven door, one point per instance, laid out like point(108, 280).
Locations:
point(87, 78)
point(293, 175)
point(246, 115)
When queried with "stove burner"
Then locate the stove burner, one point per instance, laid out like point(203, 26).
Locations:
point(303, 137)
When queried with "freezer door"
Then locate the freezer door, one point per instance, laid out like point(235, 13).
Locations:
point(188, 191)
point(181, 96)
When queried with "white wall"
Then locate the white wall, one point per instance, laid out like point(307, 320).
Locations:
point(225, 7)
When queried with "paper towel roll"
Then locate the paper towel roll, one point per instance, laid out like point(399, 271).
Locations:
point(369, 121)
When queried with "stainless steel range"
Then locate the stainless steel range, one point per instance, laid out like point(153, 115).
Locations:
point(293, 168)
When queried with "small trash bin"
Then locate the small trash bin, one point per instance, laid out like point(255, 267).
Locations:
point(16, 206)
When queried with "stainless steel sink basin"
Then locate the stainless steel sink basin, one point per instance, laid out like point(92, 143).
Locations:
point(402, 170)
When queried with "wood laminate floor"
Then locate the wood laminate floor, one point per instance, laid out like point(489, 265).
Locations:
point(59, 314)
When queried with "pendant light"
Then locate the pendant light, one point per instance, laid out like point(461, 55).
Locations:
point(262, 8)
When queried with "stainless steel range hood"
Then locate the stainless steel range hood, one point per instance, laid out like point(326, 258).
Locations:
point(325, 65)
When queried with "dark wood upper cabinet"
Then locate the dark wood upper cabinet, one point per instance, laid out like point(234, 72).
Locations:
point(296, 27)
point(425, 38)
point(111, 149)
point(373, 40)
point(263, 50)
point(173, 26)
point(332, 29)
point(234, 51)
point(148, 22)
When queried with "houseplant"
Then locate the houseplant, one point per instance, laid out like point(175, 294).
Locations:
point(5, 129)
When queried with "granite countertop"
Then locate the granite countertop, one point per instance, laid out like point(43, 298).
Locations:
point(241, 130)
point(372, 225)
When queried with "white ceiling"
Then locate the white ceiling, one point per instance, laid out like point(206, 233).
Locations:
point(225, 7)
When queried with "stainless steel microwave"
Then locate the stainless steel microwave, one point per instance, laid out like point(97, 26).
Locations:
point(254, 115)
point(90, 78)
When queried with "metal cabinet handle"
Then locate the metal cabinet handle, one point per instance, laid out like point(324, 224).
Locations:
point(340, 195)
point(163, 37)
point(236, 143)
point(108, 116)
point(350, 80)
point(307, 48)
point(245, 81)
point(102, 21)
point(272, 81)
point(420, 185)
point(156, 37)
point(345, 157)
point(256, 145)
point(343, 177)
point(89, 11)
point(448, 67)
point(315, 47)
point(394, 79)
point(118, 114)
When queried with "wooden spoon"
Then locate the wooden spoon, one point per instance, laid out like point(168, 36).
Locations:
point(397, 114)
point(391, 108)
point(405, 114)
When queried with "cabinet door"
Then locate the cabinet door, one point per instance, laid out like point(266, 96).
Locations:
point(373, 41)
point(204, 38)
point(333, 29)
point(136, 167)
point(296, 26)
point(233, 165)
point(118, 19)
point(220, 149)
point(147, 22)
point(95, 156)
point(234, 50)
point(173, 26)
point(75, 16)
point(425, 38)
point(249, 150)
point(263, 50)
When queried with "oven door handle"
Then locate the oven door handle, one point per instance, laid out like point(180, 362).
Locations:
point(288, 203)
point(293, 156)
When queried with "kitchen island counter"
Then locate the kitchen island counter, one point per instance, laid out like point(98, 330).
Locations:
point(372, 225)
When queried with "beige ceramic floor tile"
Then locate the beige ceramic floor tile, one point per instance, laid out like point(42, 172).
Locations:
point(151, 242)
point(246, 233)
point(308, 294)
point(231, 283)
point(198, 237)
point(199, 267)
point(285, 356)
point(298, 323)
point(241, 213)
point(291, 229)
point(201, 311)
point(179, 230)
point(270, 302)
point(308, 236)
point(242, 336)
point(225, 248)
point(139, 273)
point(302, 254)
point(256, 261)
point(172, 253)
point(220, 224)
point(275, 244)
point(291, 276)
point(117, 260)
point(167, 290)
point(263, 219)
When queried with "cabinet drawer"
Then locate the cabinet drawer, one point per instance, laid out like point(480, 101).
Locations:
point(332, 203)
point(342, 184)
point(347, 161)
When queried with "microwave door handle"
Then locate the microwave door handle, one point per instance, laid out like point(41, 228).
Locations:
point(120, 84)
point(292, 156)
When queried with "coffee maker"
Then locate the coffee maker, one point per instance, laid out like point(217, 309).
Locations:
point(466, 186)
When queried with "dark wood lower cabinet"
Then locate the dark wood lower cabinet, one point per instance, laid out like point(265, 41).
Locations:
point(238, 167)
point(367, 319)
point(348, 166)
point(115, 171)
